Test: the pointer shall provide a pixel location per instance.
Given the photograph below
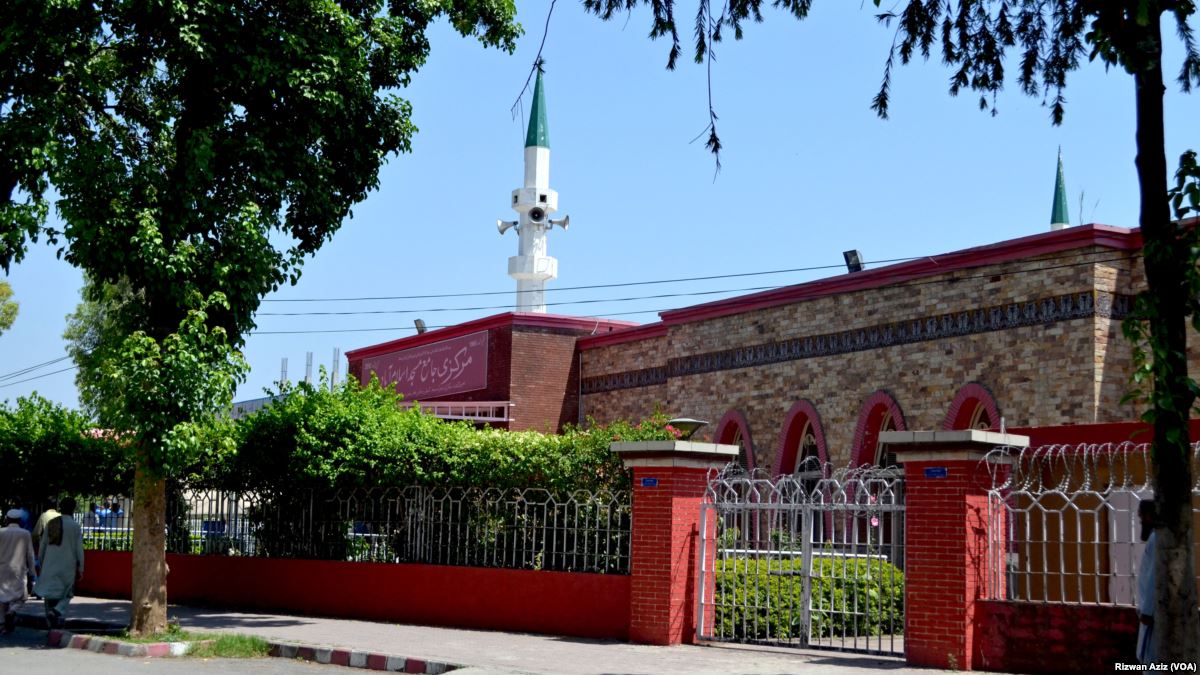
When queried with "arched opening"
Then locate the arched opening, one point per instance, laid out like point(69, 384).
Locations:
point(733, 429)
point(974, 407)
point(802, 454)
point(879, 413)
point(801, 440)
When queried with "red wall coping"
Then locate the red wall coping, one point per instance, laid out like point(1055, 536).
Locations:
point(559, 603)
point(647, 332)
point(514, 319)
point(1118, 238)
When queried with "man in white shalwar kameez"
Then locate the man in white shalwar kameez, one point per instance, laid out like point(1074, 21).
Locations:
point(61, 556)
point(16, 566)
point(1146, 590)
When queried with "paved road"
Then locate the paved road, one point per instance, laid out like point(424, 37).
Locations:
point(25, 651)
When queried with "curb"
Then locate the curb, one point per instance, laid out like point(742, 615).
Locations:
point(65, 640)
point(288, 650)
point(357, 659)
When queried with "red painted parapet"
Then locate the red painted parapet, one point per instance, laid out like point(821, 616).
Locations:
point(947, 531)
point(559, 603)
point(669, 481)
point(1047, 637)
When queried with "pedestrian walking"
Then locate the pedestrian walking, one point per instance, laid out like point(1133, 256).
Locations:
point(39, 527)
point(16, 565)
point(61, 558)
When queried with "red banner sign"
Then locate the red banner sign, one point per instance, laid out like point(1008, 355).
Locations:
point(447, 367)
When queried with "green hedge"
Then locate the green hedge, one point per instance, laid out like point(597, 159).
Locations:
point(763, 599)
point(360, 436)
point(47, 450)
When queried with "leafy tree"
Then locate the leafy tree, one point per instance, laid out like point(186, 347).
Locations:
point(1051, 38)
point(93, 329)
point(8, 307)
point(200, 151)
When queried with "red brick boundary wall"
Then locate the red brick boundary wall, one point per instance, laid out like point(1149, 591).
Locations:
point(1034, 637)
point(669, 482)
point(946, 522)
point(561, 603)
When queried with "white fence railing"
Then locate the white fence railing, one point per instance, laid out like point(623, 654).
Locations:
point(520, 529)
point(1064, 522)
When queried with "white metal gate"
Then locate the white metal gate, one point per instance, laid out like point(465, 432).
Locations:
point(814, 559)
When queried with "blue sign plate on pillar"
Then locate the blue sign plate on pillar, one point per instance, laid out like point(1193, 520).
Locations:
point(649, 482)
point(935, 472)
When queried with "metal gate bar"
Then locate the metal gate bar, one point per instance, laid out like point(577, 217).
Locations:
point(810, 560)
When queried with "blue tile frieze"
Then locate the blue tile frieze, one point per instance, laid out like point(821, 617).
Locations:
point(968, 322)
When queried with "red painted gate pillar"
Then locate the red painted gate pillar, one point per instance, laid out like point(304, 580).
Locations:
point(669, 480)
point(946, 535)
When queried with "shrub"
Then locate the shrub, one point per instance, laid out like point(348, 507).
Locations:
point(764, 599)
point(47, 450)
point(309, 455)
point(359, 436)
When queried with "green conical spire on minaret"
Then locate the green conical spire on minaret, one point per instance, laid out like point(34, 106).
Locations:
point(1059, 215)
point(539, 132)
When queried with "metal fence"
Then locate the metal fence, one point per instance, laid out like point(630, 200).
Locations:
point(814, 559)
point(1064, 521)
point(518, 529)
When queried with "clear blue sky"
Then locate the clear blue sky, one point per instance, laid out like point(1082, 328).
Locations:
point(809, 171)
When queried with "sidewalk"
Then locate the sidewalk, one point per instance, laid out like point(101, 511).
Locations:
point(495, 652)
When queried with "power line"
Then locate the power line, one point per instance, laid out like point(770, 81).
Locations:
point(37, 377)
point(23, 371)
point(395, 328)
point(548, 304)
point(734, 302)
point(814, 268)
point(596, 300)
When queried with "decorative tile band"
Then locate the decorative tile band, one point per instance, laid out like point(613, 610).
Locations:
point(955, 324)
point(630, 379)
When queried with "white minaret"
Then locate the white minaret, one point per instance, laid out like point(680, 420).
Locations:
point(531, 267)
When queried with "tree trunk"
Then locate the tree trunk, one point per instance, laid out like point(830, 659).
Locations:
point(149, 606)
point(1177, 624)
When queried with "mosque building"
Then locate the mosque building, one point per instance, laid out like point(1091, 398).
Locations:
point(1020, 333)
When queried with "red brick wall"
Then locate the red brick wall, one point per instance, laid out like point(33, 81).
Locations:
point(544, 379)
point(1030, 637)
point(663, 563)
point(945, 561)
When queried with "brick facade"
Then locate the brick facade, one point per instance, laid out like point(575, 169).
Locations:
point(663, 555)
point(945, 561)
point(543, 380)
point(1035, 322)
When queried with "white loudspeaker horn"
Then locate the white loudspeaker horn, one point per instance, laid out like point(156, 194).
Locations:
point(566, 220)
point(504, 225)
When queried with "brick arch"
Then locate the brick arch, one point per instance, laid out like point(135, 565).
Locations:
point(970, 398)
point(727, 429)
point(870, 418)
point(801, 413)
